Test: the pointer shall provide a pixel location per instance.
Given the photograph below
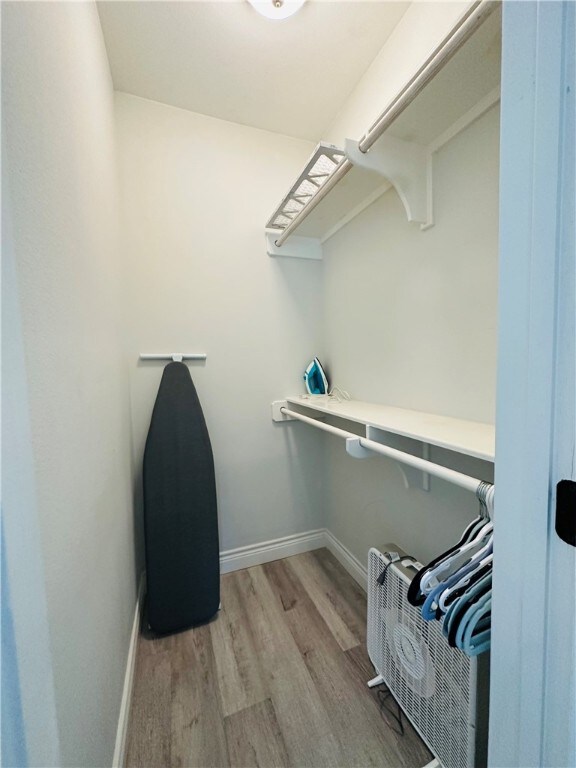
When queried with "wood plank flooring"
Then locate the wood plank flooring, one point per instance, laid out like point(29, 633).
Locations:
point(277, 680)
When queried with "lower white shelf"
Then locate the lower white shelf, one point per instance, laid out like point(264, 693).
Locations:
point(470, 438)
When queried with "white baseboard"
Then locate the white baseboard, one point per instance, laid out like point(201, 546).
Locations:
point(124, 717)
point(276, 549)
point(354, 567)
point(266, 551)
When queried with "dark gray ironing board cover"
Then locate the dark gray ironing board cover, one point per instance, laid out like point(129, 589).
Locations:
point(180, 512)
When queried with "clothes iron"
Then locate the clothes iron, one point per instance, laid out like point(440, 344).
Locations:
point(315, 378)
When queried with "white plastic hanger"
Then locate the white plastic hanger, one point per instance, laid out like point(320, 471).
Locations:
point(464, 581)
point(455, 560)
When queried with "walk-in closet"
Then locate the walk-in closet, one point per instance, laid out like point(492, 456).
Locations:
point(288, 414)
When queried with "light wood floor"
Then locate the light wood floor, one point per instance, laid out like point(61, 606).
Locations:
point(277, 679)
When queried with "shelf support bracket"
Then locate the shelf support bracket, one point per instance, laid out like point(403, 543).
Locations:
point(413, 478)
point(405, 165)
point(277, 414)
point(296, 248)
point(354, 449)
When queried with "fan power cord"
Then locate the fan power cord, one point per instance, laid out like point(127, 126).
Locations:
point(383, 696)
point(392, 557)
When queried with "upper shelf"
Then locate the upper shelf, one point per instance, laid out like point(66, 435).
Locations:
point(456, 85)
point(323, 163)
point(329, 166)
point(465, 80)
point(467, 437)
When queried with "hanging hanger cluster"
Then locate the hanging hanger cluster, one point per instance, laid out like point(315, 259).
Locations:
point(456, 587)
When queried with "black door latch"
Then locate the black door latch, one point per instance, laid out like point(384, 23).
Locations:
point(566, 511)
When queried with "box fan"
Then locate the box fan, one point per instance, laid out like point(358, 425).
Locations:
point(443, 692)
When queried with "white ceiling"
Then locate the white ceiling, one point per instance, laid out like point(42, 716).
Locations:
point(222, 59)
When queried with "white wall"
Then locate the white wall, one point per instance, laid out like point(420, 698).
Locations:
point(60, 172)
point(425, 337)
point(411, 322)
point(196, 192)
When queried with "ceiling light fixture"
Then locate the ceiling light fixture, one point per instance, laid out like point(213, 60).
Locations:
point(277, 9)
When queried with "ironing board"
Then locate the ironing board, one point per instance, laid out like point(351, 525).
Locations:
point(180, 512)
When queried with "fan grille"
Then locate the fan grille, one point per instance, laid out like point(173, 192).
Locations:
point(433, 683)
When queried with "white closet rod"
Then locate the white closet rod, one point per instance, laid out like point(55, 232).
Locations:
point(433, 64)
point(176, 356)
point(444, 473)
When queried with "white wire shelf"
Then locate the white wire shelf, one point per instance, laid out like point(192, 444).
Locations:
point(324, 161)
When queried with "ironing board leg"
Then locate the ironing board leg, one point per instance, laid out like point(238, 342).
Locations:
point(378, 680)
